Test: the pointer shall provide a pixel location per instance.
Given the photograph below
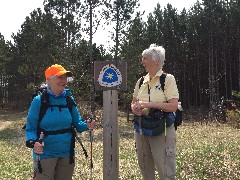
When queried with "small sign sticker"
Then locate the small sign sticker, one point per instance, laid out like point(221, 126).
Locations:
point(110, 76)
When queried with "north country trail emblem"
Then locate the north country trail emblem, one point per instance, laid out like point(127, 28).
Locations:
point(110, 76)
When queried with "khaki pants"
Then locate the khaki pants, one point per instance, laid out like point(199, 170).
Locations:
point(156, 152)
point(54, 169)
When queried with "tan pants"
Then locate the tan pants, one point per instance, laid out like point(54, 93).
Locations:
point(54, 169)
point(156, 152)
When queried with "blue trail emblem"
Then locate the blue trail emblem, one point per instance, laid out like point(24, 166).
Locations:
point(110, 76)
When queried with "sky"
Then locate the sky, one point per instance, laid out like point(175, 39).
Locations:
point(14, 12)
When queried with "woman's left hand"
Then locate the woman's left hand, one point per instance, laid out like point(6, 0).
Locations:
point(136, 108)
point(91, 124)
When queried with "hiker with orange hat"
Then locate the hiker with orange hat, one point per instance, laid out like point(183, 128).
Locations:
point(53, 153)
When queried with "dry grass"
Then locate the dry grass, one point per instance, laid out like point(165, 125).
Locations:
point(204, 151)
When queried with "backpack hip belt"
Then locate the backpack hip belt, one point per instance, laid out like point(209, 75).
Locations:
point(60, 131)
point(63, 131)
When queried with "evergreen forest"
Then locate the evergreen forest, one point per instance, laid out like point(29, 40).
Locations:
point(202, 49)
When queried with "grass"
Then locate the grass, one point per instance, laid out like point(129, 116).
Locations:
point(204, 151)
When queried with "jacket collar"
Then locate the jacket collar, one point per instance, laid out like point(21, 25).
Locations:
point(49, 91)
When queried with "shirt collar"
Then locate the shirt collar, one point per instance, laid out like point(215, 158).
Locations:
point(147, 77)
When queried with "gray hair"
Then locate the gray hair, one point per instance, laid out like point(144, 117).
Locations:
point(47, 81)
point(156, 53)
point(69, 79)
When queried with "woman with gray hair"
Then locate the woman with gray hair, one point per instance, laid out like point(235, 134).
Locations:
point(155, 99)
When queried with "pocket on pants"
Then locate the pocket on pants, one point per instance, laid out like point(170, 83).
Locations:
point(170, 161)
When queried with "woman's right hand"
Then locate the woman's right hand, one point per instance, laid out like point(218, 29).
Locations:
point(38, 148)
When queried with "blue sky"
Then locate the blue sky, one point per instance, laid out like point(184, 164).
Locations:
point(14, 12)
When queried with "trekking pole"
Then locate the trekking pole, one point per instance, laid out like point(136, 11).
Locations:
point(80, 142)
point(91, 140)
point(165, 130)
point(140, 124)
point(38, 155)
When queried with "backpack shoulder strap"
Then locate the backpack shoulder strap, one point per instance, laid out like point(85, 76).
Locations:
point(140, 82)
point(70, 103)
point(44, 105)
point(162, 80)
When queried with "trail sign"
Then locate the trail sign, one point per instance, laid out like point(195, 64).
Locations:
point(110, 75)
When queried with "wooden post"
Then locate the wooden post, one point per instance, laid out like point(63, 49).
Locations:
point(110, 77)
point(110, 135)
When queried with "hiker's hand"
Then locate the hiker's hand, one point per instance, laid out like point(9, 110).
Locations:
point(91, 124)
point(38, 148)
point(144, 104)
point(136, 108)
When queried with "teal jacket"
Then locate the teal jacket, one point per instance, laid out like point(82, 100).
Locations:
point(54, 119)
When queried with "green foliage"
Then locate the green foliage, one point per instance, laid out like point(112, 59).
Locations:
point(35, 47)
point(31, 88)
point(131, 51)
point(234, 115)
point(236, 94)
point(120, 12)
point(3, 53)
